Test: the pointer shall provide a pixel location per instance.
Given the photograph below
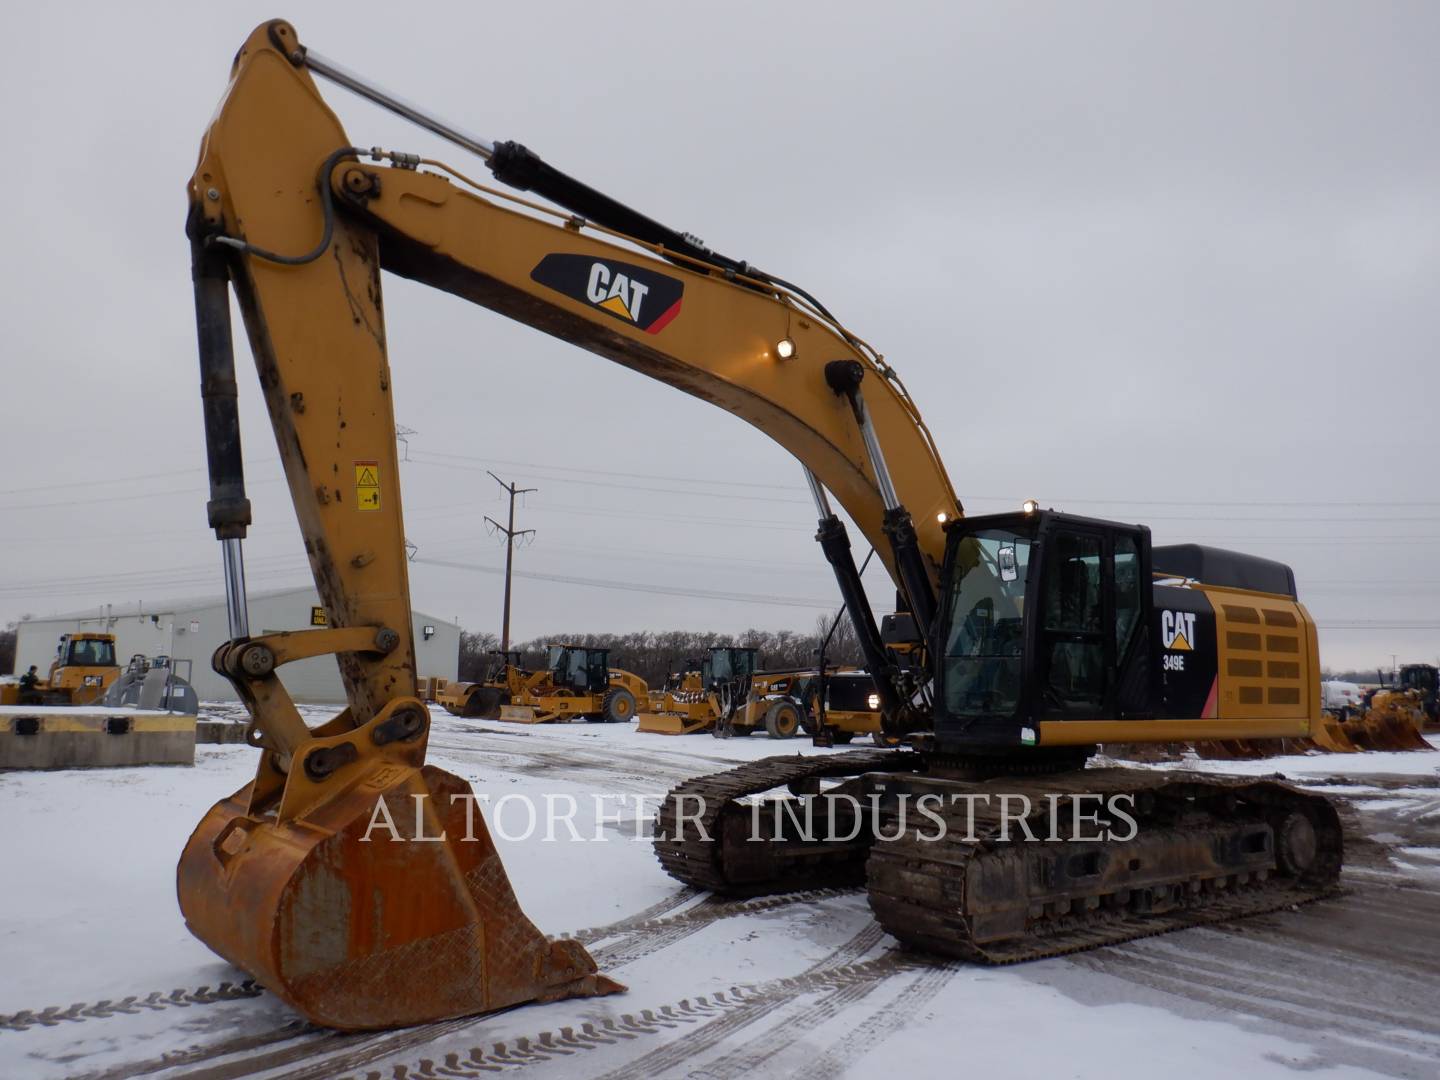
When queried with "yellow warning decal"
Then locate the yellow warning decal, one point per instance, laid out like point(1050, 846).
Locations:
point(367, 485)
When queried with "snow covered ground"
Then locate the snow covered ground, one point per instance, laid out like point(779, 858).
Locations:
point(799, 986)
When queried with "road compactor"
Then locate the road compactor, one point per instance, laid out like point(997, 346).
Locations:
point(1021, 640)
point(577, 682)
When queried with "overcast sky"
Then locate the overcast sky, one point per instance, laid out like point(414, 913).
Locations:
point(1174, 263)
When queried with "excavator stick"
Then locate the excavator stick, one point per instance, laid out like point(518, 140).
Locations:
point(358, 884)
point(362, 917)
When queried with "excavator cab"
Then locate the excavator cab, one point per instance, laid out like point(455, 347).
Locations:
point(1044, 616)
point(585, 671)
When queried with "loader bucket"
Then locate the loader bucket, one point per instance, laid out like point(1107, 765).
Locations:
point(1393, 723)
point(384, 906)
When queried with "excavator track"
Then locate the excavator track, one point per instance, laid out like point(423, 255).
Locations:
point(1204, 850)
point(711, 847)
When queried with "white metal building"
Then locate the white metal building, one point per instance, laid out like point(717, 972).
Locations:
point(193, 629)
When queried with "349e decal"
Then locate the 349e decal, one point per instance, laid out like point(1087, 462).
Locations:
point(1177, 637)
point(632, 294)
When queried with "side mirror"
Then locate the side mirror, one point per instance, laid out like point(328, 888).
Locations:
point(1009, 565)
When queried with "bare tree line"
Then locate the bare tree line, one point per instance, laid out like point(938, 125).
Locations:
point(654, 654)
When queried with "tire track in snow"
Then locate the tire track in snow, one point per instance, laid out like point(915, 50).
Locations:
point(629, 1027)
point(758, 1052)
point(1335, 1041)
point(1317, 1019)
point(692, 1043)
point(644, 933)
point(877, 1027)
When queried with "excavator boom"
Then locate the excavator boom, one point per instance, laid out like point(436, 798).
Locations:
point(349, 911)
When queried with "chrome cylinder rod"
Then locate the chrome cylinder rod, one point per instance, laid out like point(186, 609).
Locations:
point(236, 608)
point(875, 454)
point(817, 492)
point(342, 76)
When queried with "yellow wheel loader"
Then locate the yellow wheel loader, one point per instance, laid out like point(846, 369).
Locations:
point(576, 683)
point(1037, 634)
point(81, 673)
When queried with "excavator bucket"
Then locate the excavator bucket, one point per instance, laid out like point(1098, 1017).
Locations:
point(386, 905)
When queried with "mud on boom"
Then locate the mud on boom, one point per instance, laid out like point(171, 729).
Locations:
point(1022, 640)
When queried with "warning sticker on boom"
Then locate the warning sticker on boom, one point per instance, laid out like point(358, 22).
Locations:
point(367, 485)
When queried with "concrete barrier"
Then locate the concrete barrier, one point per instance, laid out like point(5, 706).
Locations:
point(76, 738)
point(219, 731)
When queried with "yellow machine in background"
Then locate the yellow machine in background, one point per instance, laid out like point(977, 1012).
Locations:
point(430, 687)
point(1389, 718)
point(83, 669)
point(576, 682)
point(851, 708)
point(1392, 719)
point(87, 732)
point(727, 696)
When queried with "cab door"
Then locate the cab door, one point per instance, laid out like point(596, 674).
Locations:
point(1091, 642)
point(1075, 617)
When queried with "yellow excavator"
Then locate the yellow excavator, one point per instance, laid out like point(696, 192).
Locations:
point(1028, 637)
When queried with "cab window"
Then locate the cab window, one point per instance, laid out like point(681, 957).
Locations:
point(1072, 631)
point(983, 662)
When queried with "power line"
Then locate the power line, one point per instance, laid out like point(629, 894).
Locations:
point(86, 501)
point(642, 587)
point(1214, 502)
point(1007, 499)
point(111, 481)
point(1376, 624)
point(613, 472)
point(592, 483)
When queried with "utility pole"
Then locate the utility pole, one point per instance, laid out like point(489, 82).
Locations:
point(510, 533)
